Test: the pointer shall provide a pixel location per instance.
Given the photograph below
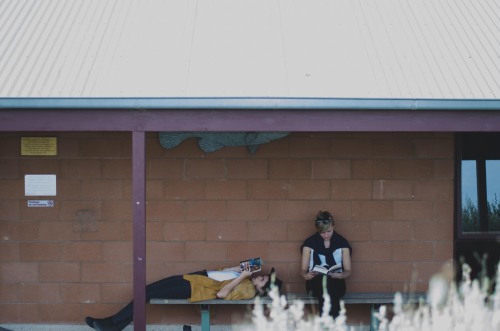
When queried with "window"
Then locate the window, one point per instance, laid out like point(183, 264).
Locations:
point(478, 162)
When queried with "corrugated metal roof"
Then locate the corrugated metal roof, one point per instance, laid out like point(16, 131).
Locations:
point(427, 49)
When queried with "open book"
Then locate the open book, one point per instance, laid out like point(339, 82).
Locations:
point(255, 264)
point(324, 269)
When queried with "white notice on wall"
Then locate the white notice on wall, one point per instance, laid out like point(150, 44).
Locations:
point(39, 185)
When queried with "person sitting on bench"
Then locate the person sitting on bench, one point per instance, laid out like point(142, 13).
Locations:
point(228, 284)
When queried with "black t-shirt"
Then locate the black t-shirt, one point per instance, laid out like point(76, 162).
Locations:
point(326, 256)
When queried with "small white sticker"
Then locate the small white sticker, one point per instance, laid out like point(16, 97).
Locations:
point(40, 203)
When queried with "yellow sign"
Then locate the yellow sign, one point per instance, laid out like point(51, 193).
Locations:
point(46, 146)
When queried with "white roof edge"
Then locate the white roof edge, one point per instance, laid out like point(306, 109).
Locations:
point(250, 103)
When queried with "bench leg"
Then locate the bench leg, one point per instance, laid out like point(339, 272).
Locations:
point(374, 322)
point(205, 317)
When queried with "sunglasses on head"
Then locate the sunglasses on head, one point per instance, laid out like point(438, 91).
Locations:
point(323, 220)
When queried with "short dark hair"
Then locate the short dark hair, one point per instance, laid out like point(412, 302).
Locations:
point(272, 280)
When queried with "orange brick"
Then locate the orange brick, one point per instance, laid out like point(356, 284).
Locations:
point(412, 169)
point(371, 169)
point(19, 230)
point(41, 214)
point(12, 189)
point(59, 272)
point(105, 147)
point(227, 231)
point(443, 251)
point(284, 251)
point(267, 189)
point(117, 251)
point(381, 272)
point(302, 146)
point(183, 189)
point(116, 293)
point(9, 210)
point(247, 168)
point(68, 188)
point(372, 210)
point(103, 272)
point(116, 210)
point(9, 169)
point(275, 148)
point(80, 168)
point(309, 190)
point(10, 313)
point(205, 168)
point(166, 168)
point(182, 231)
point(267, 231)
point(434, 190)
point(334, 169)
point(54, 231)
point(37, 165)
point(205, 211)
point(299, 231)
point(10, 145)
point(392, 231)
point(247, 210)
point(237, 251)
point(50, 313)
point(350, 147)
point(413, 210)
point(18, 272)
point(392, 189)
point(285, 210)
point(290, 168)
point(82, 251)
point(412, 251)
point(442, 231)
point(226, 189)
point(104, 231)
point(10, 251)
point(164, 210)
point(354, 231)
point(444, 169)
point(80, 210)
point(102, 189)
point(80, 292)
point(10, 293)
point(434, 148)
point(205, 251)
point(393, 146)
point(154, 231)
point(31, 252)
point(118, 168)
point(166, 251)
point(369, 251)
point(40, 293)
point(352, 189)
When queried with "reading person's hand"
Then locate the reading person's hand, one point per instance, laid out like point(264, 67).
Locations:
point(310, 275)
point(246, 272)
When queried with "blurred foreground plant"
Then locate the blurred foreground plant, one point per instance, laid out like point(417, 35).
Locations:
point(468, 306)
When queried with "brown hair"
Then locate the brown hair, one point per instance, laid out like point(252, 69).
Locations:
point(323, 221)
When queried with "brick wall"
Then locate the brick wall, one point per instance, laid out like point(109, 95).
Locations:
point(390, 193)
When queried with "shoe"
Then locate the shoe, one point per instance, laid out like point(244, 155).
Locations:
point(90, 321)
point(105, 324)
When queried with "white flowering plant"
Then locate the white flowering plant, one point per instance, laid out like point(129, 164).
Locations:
point(471, 305)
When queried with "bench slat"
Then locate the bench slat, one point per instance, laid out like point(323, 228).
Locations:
point(349, 298)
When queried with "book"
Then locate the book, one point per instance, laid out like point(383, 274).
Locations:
point(255, 264)
point(325, 269)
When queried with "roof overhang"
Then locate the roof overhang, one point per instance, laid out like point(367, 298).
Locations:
point(248, 114)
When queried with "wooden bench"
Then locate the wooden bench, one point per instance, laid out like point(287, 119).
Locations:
point(374, 299)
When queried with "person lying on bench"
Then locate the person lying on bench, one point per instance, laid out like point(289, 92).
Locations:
point(228, 284)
